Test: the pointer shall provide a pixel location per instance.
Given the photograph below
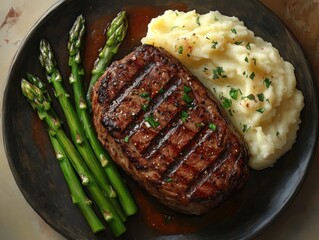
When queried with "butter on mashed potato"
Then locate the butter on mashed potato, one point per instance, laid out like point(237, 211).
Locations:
point(247, 75)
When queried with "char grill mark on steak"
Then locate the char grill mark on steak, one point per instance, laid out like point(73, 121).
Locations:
point(174, 141)
point(134, 126)
point(113, 82)
point(112, 119)
point(189, 167)
point(124, 92)
point(184, 162)
point(186, 151)
point(163, 112)
point(128, 102)
point(207, 173)
point(178, 134)
point(163, 136)
point(122, 96)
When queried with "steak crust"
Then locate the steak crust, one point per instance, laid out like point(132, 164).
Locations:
point(163, 127)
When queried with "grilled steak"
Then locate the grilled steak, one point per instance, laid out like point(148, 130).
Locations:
point(162, 126)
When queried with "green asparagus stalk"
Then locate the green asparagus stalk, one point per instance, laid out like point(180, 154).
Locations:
point(76, 79)
point(77, 194)
point(42, 105)
point(110, 214)
point(48, 62)
point(115, 35)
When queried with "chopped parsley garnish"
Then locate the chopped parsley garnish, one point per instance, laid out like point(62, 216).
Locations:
point(161, 90)
point(250, 97)
point(267, 82)
point(214, 44)
point(261, 110)
point(180, 50)
point(233, 93)
point(184, 116)
point(248, 46)
point(126, 139)
point(245, 128)
point(238, 42)
point(233, 30)
point(197, 20)
point(151, 120)
point(255, 61)
point(246, 59)
point(168, 180)
point(199, 124)
point(212, 126)
point(226, 102)
point(219, 72)
point(186, 97)
point(186, 89)
point(145, 95)
point(144, 107)
point(277, 134)
point(252, 76)
point(261, 97)
point(215, 75)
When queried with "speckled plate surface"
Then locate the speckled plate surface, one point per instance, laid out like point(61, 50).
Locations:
point(37, 173)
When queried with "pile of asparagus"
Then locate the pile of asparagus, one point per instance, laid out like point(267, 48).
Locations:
point(82, 158)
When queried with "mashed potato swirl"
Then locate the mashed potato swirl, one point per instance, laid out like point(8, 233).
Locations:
point(247, 75)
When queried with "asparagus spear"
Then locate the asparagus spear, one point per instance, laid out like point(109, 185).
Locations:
point(42, 105)
point(48, 62)
point(77, 194)
point(115, 35)
point(76, 79)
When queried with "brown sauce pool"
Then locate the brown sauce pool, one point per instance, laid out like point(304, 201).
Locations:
point(167, 221)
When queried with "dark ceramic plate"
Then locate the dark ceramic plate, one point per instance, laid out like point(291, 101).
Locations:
point(38, 175)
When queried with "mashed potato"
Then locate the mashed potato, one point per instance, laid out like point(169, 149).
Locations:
point(247, 75)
